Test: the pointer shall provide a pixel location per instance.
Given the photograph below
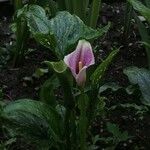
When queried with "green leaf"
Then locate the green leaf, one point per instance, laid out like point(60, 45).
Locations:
point(58, 67)
point(36, 17)
point(100, 107)
point(33, 120)
point(111, 85)
point(137, 5)
point(100, 71)
point(47, 40)
point(141, 77)
point(38, 24)
point(47, 91)
point(61, 32)
point(131, 89)
point(10, 141)
point(113, 128)
point(1, 94)
point(147, 2)
point(94, 12)
point(61, 110)
point(144, 32)
point(146, 44)
point(68, 29)
point(118, 136)
point(40, 72)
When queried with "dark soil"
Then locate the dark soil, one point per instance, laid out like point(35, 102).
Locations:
point(14, 78)
point(131, 53)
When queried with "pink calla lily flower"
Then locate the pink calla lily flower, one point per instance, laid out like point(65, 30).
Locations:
point(79, 60)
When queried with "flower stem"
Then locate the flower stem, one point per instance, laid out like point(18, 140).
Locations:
point(92, 103)
point(69, 105)
point(83, 120)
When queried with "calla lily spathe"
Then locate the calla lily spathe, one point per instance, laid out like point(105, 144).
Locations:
point(79, 60)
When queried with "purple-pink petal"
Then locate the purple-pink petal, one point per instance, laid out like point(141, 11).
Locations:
point(87, 56)
point(73, 58)
point(84, 55)
point(81, 76)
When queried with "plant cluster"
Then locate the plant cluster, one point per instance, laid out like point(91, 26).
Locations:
point(67, 28)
